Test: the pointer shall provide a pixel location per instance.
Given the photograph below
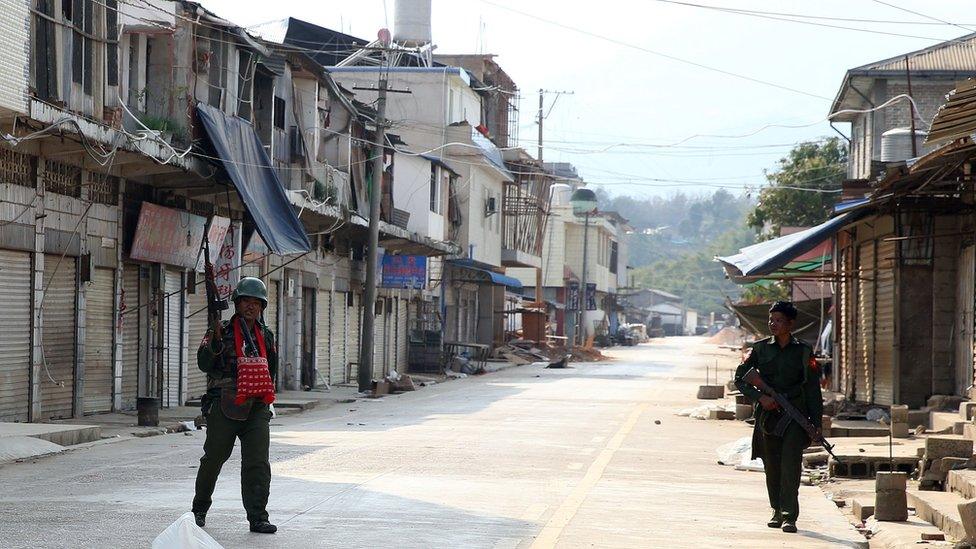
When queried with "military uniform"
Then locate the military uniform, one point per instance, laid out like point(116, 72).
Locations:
point(228, 421)
point(789, 371)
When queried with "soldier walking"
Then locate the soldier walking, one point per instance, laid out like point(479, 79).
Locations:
point(240, 362)
point(786, 364)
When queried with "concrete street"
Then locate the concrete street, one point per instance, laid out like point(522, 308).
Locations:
point(526, 457)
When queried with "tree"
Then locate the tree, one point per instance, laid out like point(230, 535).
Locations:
point(818, 166)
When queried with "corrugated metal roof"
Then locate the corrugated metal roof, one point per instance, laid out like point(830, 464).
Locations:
point(957, 117)
point(953, 55)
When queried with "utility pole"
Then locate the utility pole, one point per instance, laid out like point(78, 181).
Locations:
point(580, 326)
point(372, 252)
point(541, 94)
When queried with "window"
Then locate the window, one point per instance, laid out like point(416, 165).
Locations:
point(435, 190)
point(279, 113)
point(613, 257)
point(44, 59)
point(112, 33)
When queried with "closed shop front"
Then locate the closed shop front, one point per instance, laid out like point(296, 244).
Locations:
point(172, 337)
point(402, 335)
point(15, 335)
point(135, 344)
point(271, 311)
point(99, 327)
point(353, 329)
point(196, 325)
point(380, 336)
point(863, 384)
point(323, 335)
point(884, 334)
point(340, 338)
point(965, 299)
point(58, 337)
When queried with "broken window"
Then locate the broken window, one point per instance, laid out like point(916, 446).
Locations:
point(245, 74)
point(44, 58)
point(279, 113)
point(112, 30)
point(916, 246)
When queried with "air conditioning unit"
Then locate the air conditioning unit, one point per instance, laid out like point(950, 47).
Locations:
point(491, 206)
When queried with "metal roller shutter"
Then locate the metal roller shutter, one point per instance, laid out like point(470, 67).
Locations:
point(337, 347)
point(15, 335)
point(173, 338)
point(864, 382)
point(379, 339)
point(964, 319)
point(353, 327)
point(131, 340)
point(99, 327)
point(58, 338)
point(884, 338)
point(323, 335)
point(403, 337)
point(271, 311)
point(845, 358)
point(196, 380)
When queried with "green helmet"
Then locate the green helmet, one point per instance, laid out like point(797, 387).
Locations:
point(250, 286)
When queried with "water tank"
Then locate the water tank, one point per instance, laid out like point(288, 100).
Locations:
point(411, 23)
point(560, 194)
point(896, 144)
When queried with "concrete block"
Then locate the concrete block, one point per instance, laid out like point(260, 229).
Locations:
point(918, 417)
point(743, 399)
point(721, 414)
point(962, 482)
point(959, 428)
point(863, 507)
point(949, 463)
point(966, 410)
point(899, 413)
point(900, 430)
point(743, 411)
point(711, 392)
point(939, 447)
point(967, 512)
point(891, 481)
point(891, 505)
point(826, 422)
point(969, 431)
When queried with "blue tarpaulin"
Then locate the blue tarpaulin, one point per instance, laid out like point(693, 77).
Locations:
point(484, 274)
point(247, 163)
point(769, 256)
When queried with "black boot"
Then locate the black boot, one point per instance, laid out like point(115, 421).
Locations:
point(263, 527)
point(201, 519)
point(776, 521)
point(789, 527)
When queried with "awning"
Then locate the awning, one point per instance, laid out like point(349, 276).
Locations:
point(478, 274)
point(247, 163)
point(811, 317)
point(767, 257)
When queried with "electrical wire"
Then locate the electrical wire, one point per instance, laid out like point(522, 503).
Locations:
point(657, 53)
point(967, 29)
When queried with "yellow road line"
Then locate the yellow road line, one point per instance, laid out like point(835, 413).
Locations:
point(570, 506)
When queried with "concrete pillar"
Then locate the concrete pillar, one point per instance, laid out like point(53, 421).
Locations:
point(37, 283)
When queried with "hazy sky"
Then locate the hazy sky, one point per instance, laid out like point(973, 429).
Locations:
point(628, 101)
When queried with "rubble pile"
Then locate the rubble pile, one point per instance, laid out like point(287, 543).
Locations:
point(522, 351)
point(730, 335)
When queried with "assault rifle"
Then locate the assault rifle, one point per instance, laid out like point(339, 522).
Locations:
point(790, 413)
point(215, 305)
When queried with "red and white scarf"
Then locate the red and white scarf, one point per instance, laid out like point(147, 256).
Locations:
point(253, 374)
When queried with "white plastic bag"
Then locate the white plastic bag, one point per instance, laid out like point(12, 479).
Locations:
point(185, 534)
point(735, 453)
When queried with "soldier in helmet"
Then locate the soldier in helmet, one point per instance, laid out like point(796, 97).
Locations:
point(243, 348)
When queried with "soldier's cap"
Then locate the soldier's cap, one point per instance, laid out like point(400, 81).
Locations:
point(785, 307)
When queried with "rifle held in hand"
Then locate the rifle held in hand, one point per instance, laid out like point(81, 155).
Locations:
point(790, 413)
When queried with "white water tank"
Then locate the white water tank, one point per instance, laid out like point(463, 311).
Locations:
point(896, 144)
point(561, 193)
point(411, 23)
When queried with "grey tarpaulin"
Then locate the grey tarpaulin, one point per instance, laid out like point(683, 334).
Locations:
point(766, 257)
point(236, 143)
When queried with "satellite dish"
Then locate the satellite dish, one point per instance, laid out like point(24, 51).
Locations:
point(384, 37)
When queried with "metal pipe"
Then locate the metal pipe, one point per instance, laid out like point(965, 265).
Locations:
point(583, 304)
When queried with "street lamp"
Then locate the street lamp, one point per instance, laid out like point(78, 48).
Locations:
point(584, 203)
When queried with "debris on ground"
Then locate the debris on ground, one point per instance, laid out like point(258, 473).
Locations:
point(705, 410)
point(522, 351)
point(735, 452)
point(730, 335)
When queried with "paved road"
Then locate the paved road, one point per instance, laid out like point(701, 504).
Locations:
point(527, 457)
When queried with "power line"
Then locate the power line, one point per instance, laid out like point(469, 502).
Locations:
point(923, 15)
point(657, 53)
point(784, 17)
